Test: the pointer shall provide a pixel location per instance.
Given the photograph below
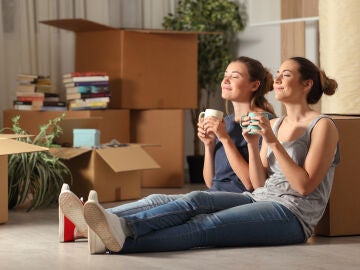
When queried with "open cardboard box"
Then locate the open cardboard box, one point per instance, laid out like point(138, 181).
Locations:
point(114, 172)
point(9, 146)
point(147, 68)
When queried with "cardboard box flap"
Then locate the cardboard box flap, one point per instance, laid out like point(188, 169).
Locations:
point(82, 25)
point(127, 158)
point(14, 136)
point(78, 25)
point(68, 152)
point(164, 31)
point(9, 146)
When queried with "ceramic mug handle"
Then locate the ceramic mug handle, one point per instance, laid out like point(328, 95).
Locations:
point(201, 115)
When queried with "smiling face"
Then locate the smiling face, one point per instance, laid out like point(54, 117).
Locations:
point(288, 84)
point(236, 85)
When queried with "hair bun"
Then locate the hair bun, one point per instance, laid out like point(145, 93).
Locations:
point(329, 86)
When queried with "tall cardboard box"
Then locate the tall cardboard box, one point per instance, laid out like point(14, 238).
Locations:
point(166, 129)
point(9, 146)
point(342, 216)
point(114, 172)
point(148, 69)
point(113, 124)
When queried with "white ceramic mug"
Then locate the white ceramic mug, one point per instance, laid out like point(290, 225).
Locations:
point(212, 113)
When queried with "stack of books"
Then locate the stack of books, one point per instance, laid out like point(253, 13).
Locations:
point(87, 90)
point(26, 96)
point(36, 92)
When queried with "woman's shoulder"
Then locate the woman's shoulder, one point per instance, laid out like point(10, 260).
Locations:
point(324, 123)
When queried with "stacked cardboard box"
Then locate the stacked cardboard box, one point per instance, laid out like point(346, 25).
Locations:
point(153, 73)
point(342, 214)
point(165, 129)
point(113, 124)
point(148, 69)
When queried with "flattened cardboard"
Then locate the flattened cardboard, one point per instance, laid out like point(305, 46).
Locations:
point(7, 147)
point(342, 216)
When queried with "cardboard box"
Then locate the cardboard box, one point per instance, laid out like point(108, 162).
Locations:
point(148, 69)
point(9, 146)
point(114, 172)
point(164, 128)
point(113, 124)
point(342, 214)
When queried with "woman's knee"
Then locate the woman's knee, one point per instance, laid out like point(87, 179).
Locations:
point(196, 198)
point(155, 199)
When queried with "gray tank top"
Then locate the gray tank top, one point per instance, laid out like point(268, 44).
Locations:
point(308, 209)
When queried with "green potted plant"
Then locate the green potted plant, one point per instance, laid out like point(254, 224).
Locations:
point(220, 20)
point(36, 177)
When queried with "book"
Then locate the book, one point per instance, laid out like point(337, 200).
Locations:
point(52, 99)
point(88, 106)
point(87, 89)
point(86, 95)
point(22, 77)
point(29, 94)
point(86, 79)
point(54, 106)
point(33, 105)
point(46, 88)
point(54, 103)
point(26, 87)
point(84, 73)
point(90, 100)
point(30, 98)
point(97, 83)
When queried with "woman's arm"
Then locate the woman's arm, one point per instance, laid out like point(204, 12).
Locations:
point(324, 138)
point(257, 159)
point(238, 164)
point(209, 143)
point(209, 165)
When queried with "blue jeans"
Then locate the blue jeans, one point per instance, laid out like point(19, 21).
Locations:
point(207, 219)
point(155, 200)
point(146, 203)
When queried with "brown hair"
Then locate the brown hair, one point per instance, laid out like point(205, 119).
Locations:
point(321, 83)
point(258, 73)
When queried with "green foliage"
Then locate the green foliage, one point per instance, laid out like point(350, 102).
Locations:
point(38, 174)
point(220, 20)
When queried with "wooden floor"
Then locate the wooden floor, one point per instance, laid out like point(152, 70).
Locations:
point(30, 241)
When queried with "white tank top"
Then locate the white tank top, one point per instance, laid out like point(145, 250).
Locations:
point(309, 208)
